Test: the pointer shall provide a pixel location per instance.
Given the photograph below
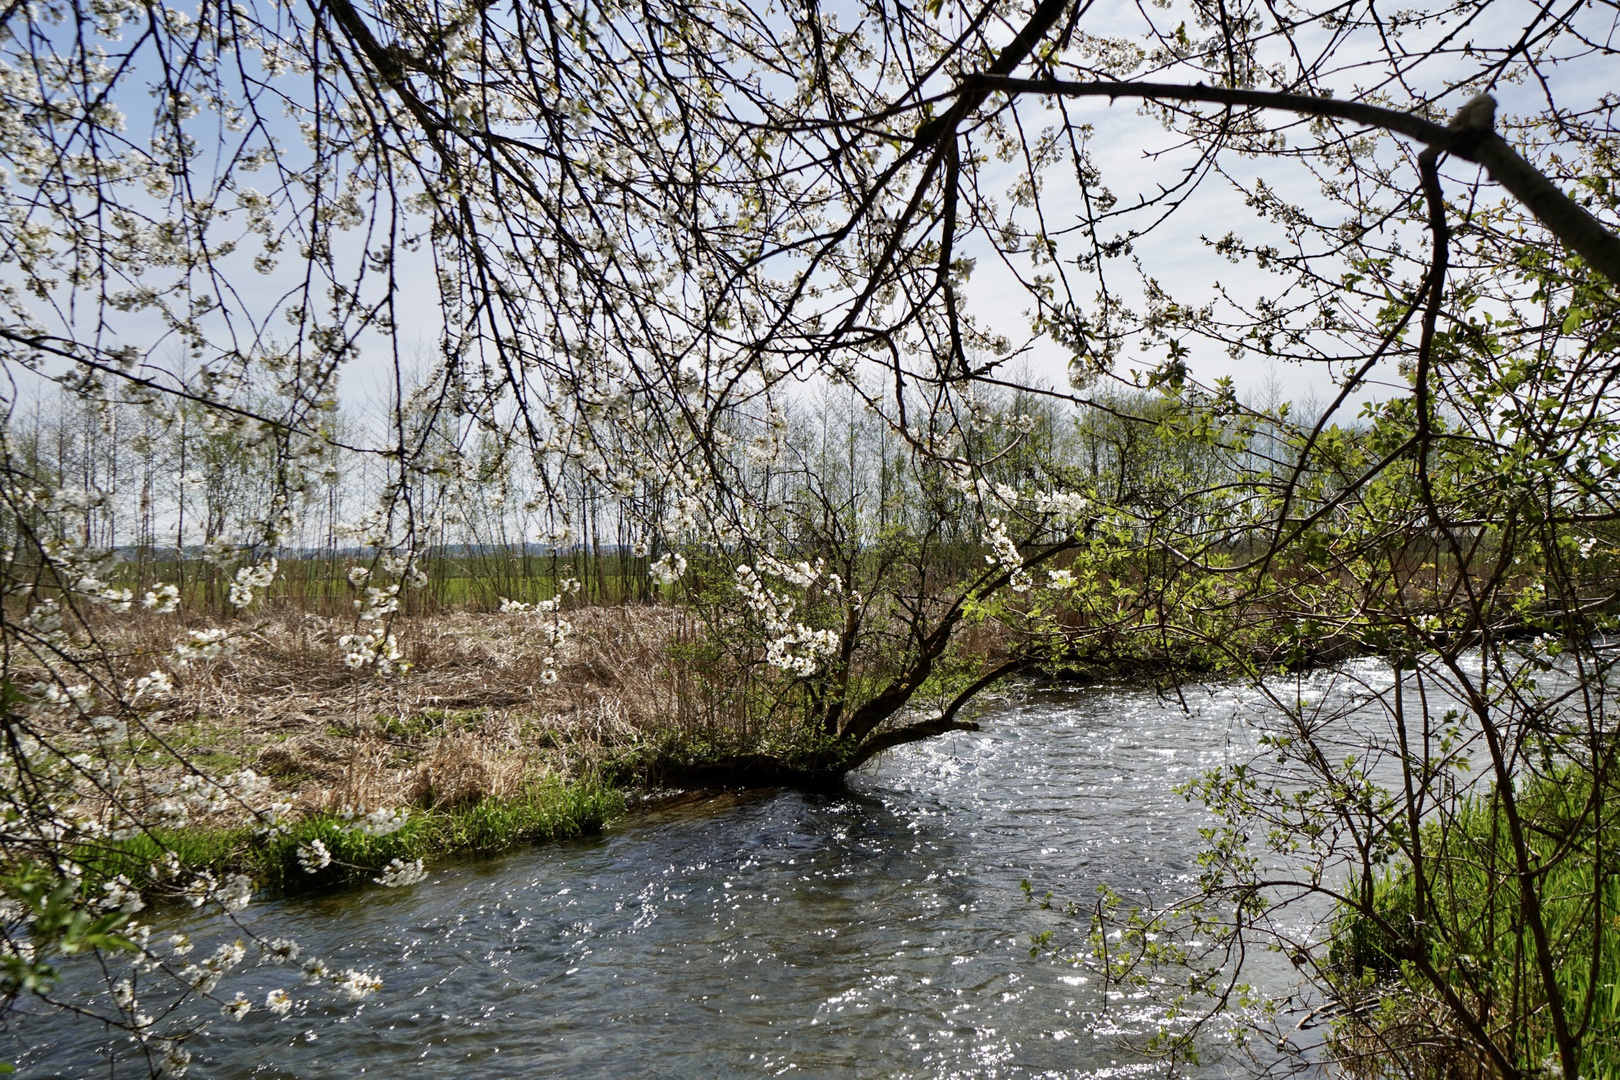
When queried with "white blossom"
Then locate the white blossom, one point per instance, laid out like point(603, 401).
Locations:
point(668, 568)
point(313, 856)
point(279, 950)
point(120, 895)
point(201, 645)
point(356, 985)
point(400, 873)
point(162, 599)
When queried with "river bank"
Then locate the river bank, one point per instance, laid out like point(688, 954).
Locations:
point(495, 730)
point(493, 733)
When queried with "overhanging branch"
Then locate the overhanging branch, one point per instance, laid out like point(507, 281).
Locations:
point(1470, 136)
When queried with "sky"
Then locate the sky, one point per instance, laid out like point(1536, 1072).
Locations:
point(1175, 253)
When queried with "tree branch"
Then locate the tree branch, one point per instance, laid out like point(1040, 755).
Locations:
point(1470, 136)
point(945, 721)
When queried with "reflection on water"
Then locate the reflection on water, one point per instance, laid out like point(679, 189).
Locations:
point(879, 932)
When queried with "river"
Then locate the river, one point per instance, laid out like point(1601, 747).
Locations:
point(876, 932)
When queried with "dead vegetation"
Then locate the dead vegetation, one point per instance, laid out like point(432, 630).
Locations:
point(638, 695)
point(474, 718)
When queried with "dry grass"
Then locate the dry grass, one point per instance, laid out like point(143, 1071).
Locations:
point(1405, 1036)
point(474, 718)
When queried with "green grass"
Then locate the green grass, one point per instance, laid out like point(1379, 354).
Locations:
point(550, 809)
point(430, 723)
point(455, 581)
point(1476, 936)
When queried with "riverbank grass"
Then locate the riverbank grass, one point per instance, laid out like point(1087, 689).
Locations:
point(1474, 932)
point(327, 850)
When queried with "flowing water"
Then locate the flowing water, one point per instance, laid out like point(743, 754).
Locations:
point(877, 932)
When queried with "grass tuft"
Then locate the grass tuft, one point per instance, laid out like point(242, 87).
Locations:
point(545, 810)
